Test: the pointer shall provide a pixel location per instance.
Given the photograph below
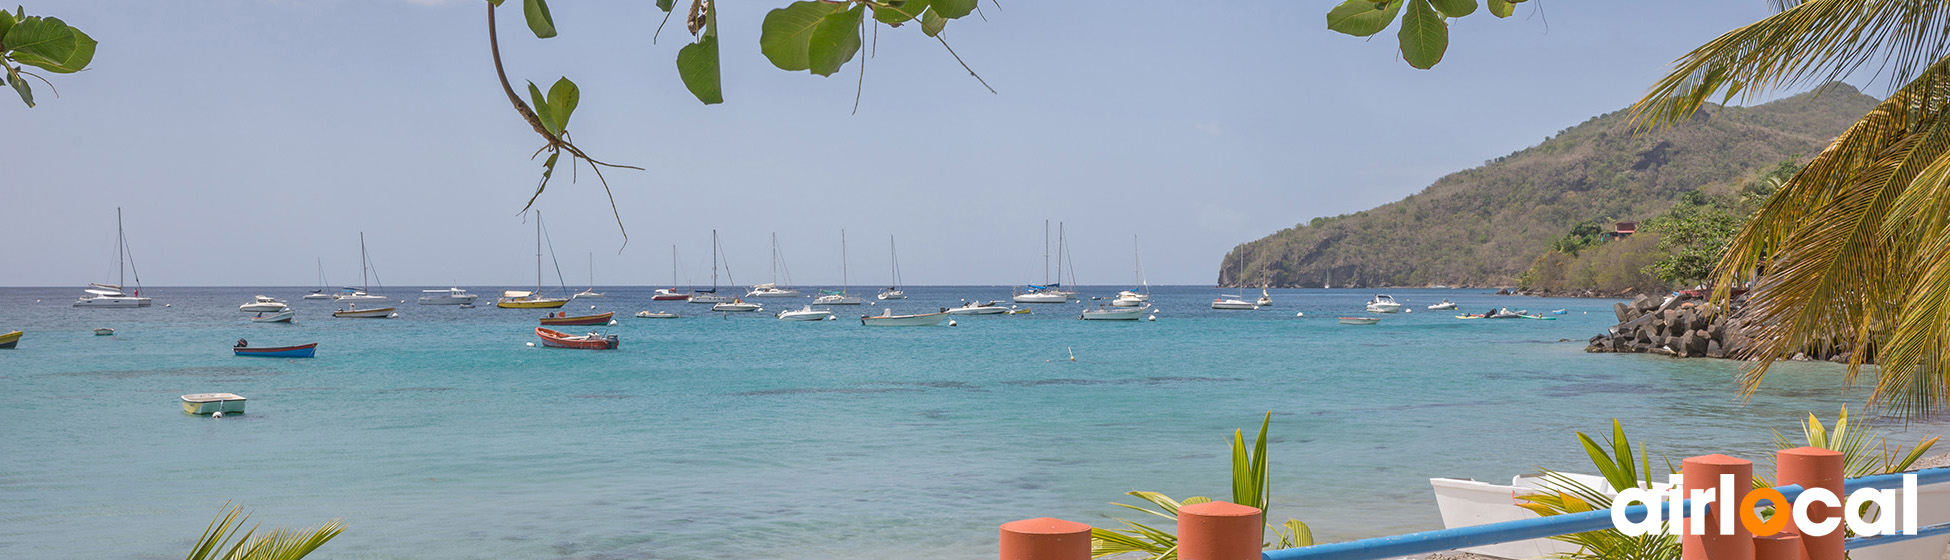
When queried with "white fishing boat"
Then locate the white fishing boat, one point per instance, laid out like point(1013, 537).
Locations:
point(264, 304)
point(352, 311)
point(894, 260)
point(1446, 304)
point(773, 289)
point(887, 318)
point(590, 293)
point(323, 285)
point(829, 297)
point(1383, 303)
point(449, 296)
point(806, 313)
point(737, 306)
point(111, 295)
point(213, 403)
point(1112, 313)
point(280, 317)
point(1360, 320)
point(711, 296)
point(1233, 302)
point(363, 295)
point(1134, 298)
point(657, 315)
point(979, 308)
point(524, 299)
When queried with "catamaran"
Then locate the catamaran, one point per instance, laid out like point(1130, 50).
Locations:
point(772, 289)
point(711, 296)
point(829, 297)
point(521, 299)
point(110, 295)
point(894, 261)
point(362, 295)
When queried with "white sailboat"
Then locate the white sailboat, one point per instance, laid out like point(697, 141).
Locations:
point(1229, 301)
point(894, 260)
point(364, 295)
point(110, 295)
point(711, 296)
point(1106, 313)
point(671, 293)
point(772, 289)
point(323, 285)
point(840, 297)
point(591, 292)
point(1132, 298)
point(1048, 292)
point(523, 299)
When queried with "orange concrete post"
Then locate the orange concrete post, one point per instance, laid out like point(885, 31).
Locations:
point(1778, 546)
point(1218, 531)
point(1703, 473)
point(1814, 467)
point(1045, 538)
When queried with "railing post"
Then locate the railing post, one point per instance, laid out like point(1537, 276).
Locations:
point(1218, 531)
point(1814, 467)
point(1045, 538)
point(1703, 473)
point(1779, 546)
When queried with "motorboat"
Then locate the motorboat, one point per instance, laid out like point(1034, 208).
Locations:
point(1265, 299)
point(352, 311)
point(979, 308)
point(449, 296)
point(280, 317)
point(1112, 313)
point(264, 304)
point(669, 294)
point(1445, 305)
point(592, 341)
point(887, 318)
point(771, 290)
point(9, 340)
point(737, 306)
point(299, 351)
point(1233, 302)
point(1129, 298)
point(104, 331)
point(702, 296)
point(891, 293)
point(1360, 320)
point(524, 299)
point(1383, 303)
point(806, 313)
point(828, 297)
point(657, 315)
point(216, 404)
point(111, 295)
point(563, 318)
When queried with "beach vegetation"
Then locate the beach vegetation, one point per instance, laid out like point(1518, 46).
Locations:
point(43, 42)
point(1249, 488)
point(227, 539)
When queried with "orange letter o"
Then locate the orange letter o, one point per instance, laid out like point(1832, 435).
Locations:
point(1751, 520)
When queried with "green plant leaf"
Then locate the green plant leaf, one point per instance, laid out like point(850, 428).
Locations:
point(540, 105)
point(538, 19)
point(1363, 18)
point(1501, 8)
point(697, 64)
point(562, 100)
point(835, 41)
point(932, 23)
point(666, 5)
point(1300, 534)
point(953, 9)
point(20, 87)
point(1455, 8)
point(897, 12)
point(786, 35)
point(6, 22)
point(1424, 36)
point(49, 44)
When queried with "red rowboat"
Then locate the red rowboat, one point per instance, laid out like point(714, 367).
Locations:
point(563, 318)
point(591, 341)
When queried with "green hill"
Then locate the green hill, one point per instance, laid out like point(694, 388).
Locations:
point(1484, 226)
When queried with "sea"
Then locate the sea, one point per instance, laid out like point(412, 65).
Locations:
point(447, 433)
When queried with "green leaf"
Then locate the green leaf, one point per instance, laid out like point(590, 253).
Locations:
point(1424, 35)
point(786, 34)
point(6, 22)
point(932, 23)
point(562, 100)
point(540, 105)
point(1455, 8)
point(697, 64)
point(20, 86)
point(1363, 18)
point(666, 5)
point(1299, 532)
point(51, 45)
point(1501, 8)
point(835, 41)
point(897, 12)
point(953, 9)
point(538, 19)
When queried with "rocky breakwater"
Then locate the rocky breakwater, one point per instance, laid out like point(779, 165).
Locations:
point(1679, 325)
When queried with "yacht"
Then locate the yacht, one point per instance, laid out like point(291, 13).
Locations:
point(829, 297)
point(806, 313)
point(1107, 313)
point(320, 293)
point(111, 295)
point(523, 299)
point(264, 304)
point(1383, 303)
point(736, 306)
point(711, 296)
point(1131, 298)
point(365, 266)
point(449, 296)
point(590, 293)
point(979, 308)
point(887, 318)
point(1049, 292)
point(1446, 304)
point(772, 289)
point(671, 294)
point(894, 257)
point(1233, 302)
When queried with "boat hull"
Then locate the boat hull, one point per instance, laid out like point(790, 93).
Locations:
point(669, 295)
point(1042, 297)
point(656, 315)
point(113, 302)
point(210, 403)
point(712, 299)
point(598, 319)
point(839, 300)
point(815, 315)
point(1360, 320)
point(894, 294)
point(361, 299)
point(544, 303)
point(380, 313)
point(773, 293)
point(300, 351)
point(558, 339)
point(11, 339)
point(1234, 304)
point(262, 307)
point(990, 309)
point(922, 320)
point(1115, 314)
point(448, 300)
point(280, 317)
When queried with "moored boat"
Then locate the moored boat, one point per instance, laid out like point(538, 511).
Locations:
point(829, 297)
point(104, 331)
point(449, 296)
point(1445, 305)
point(213, 403)
point(1233, 302)
point(1111, 313)
point(353, 312)
point(563, 318)
point(1265, 299)
point(300, 351)
point(1383, 303)
point(592, 341)
point(1043, 294)
point(737, 306)
point(1360, 320)
point(657, 315)
point(11, 339)
point(806, 313)
point(280, 317)
point(264, 304)
point(110, 295)
point(887, 318)
point(669, 294)
point(978, 308)
point(364, 293)
point(521, 299)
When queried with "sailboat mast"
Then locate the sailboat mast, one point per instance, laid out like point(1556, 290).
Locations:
point(842, 261)
point(1061, 251)
point(714, 260)
point(121, 246)
point(673, 265)
point(895, 262)
point(363, 261)
point(1045, 252)
point(775, 258)
point(538, 253)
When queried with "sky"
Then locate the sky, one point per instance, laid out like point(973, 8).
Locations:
point(246, 140)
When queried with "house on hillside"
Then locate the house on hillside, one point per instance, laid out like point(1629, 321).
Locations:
point(1621, 230)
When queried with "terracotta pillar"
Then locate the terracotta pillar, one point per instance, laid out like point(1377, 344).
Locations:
point(1814, 467)
point(1218, 531)
point(1703, 473)
point(1779, 546)
point(1045, 538)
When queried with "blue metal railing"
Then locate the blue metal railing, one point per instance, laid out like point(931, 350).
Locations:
point(1478, 535)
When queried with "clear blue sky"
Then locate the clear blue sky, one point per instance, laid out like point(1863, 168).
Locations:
point(247, 138)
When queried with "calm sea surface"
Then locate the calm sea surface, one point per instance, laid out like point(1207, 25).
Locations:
point(442, 435)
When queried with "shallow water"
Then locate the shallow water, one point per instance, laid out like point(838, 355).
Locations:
point(441, 435)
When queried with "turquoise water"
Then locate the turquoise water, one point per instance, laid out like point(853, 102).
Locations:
point(441, 435)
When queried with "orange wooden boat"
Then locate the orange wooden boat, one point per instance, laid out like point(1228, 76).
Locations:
point(563, 318)
point(592, 341)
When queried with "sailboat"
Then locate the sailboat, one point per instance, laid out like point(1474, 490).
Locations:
point(110, 295)
point(364, 295)
point(711, 296)
point(671, 293)
point(772, 289)
point(894, 256)
point(1049, 292)
point(519, 299)
point(322, 284)
point(841, 297)
point(1230, 301)
point(591, 292)
point(1131, 298)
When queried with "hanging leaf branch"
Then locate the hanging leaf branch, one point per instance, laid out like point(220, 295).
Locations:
point(1424, 33)
point(46, 43)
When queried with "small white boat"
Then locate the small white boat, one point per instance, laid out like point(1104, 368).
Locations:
point(887, 318)
point(1105, 313)
point(708, 297)
point(318, 295)
point(110, 295)
point(104, 331)
point(280, 317)
point(891, 293)
point(737, 306)
point(1446, 304)
point(591, 293)
point(352, 311)
point(978, 308)
point(359, 296)
point(1040, 294)
point(1233, 302)
point(1360, 320)
point(656, 315)
point(771, 290)
point(264, 304)
point(213, 403)
point(839, 299)
point(449, 296)
point(806, 313)
point(1383, 303)
point(894, 263)
point(1129, 298)
point(587, 294)
point(1265, 299)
